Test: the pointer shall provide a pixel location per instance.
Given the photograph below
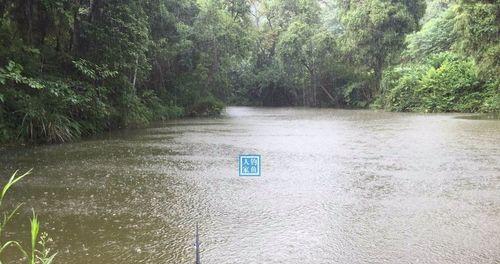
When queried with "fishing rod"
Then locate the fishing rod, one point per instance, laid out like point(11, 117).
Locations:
point(197, 245)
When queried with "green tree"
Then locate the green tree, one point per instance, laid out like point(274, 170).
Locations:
point(375, 32)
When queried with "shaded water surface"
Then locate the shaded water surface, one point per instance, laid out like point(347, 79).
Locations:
point(338, 186)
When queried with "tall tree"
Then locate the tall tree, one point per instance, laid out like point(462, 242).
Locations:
point(375, 32)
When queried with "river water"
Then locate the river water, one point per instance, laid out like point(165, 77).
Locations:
point(337, 186)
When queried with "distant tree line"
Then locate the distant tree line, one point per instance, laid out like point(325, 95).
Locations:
point(70, 68)
point(434, 55)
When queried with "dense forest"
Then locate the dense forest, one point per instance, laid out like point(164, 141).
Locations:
point(71, 68)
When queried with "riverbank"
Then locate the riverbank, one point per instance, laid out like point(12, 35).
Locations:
point(206, 108)
point(47, 122)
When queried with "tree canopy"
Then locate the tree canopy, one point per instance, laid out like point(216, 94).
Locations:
point(74, 68)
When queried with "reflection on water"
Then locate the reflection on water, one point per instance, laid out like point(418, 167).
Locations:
point(488, 116)
point(337, 186)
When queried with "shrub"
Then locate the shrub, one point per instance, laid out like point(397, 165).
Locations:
point(44, 115)
point(161, 110)
point(444, 83)
point(398, 88)
point(207, 106)
point(133, 112)
point(492, 97)
point(453, 86)
point(39, 124)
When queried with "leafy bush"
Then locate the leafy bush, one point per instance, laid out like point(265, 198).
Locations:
point(207, 106)
point(13, 72)
point(453, 86)
point(59, 110)
point(38, 124)
point(492, 97)
point(445, 83)
point(354, 96)
point(160, 109)
point(398, 86)
point(131, 111)
point(436, 35)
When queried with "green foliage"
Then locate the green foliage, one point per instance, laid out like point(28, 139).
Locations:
point(35, 229)
point(452, 63)
point(375, 31)
point(207, 106)
point(7, 216)
point(161, 110)
point(445, 83)
point(477, 25)
point(13, 73)
point(492, 97)
point(294, 61)
point(452, 86)
point(399, 88)
point(38, 252)
point(38, 124)
point(92, 71)
point(131, 111)
point(75, 68)
point(57, 113)
point(437, 35)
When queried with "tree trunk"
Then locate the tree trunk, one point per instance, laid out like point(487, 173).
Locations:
point(327, 93)
point(214, 66)
point(75, 37)
point(29, 17)
point(313, 87)
point(378, 78)
point(135, 73)
point(303, 95)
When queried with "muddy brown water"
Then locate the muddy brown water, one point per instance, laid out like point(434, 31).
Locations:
point(337, 186)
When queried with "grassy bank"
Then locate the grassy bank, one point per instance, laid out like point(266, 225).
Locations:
point(445, 82)
point(50, 112)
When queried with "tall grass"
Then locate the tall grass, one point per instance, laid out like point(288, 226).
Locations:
point(38, 252)
point(51, 127)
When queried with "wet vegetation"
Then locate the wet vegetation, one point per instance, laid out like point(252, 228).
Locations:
point(37, 251)
point(75, 68)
